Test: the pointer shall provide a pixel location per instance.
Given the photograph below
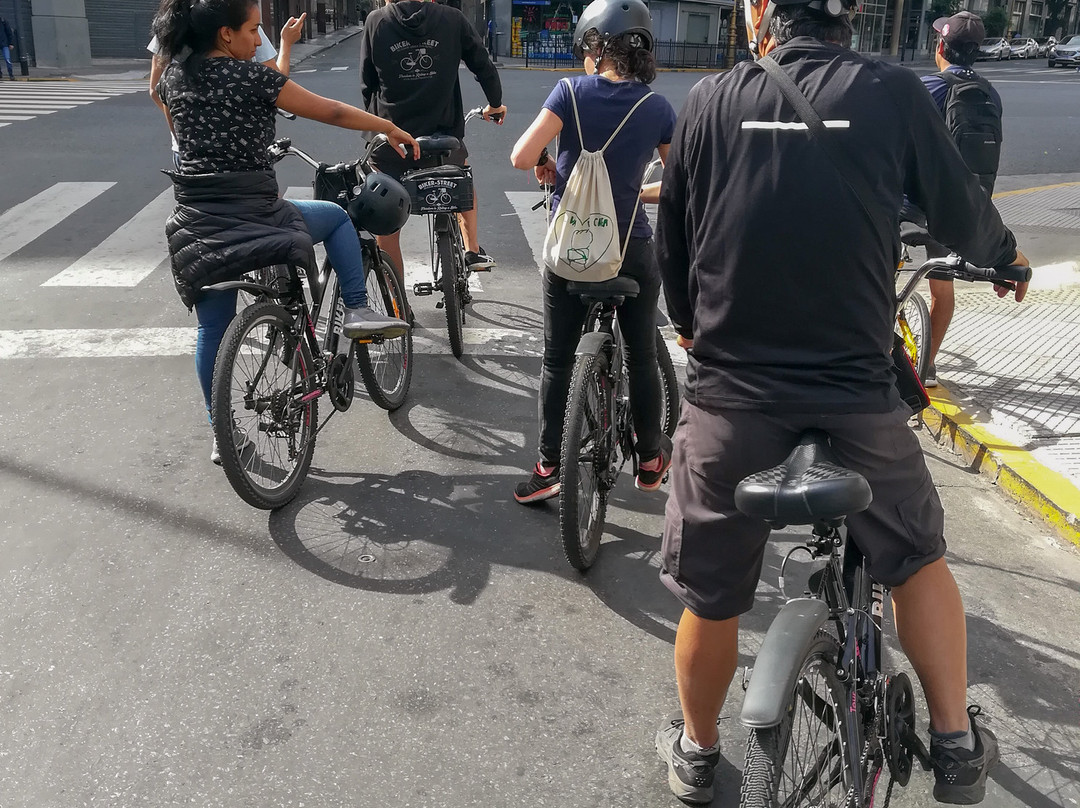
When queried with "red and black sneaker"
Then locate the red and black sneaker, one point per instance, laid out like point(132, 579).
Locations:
point(650, 479)
point(543, 484)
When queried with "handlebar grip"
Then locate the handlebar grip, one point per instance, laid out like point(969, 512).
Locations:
point(289, 116)
point(1009, 274)
point(283, 143)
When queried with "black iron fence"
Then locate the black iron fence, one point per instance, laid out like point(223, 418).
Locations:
point(555, 53)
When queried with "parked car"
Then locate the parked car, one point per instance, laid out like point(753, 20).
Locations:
point(1023, 47)
point(1045, 43)
point(1065, 53)
point(995, 47)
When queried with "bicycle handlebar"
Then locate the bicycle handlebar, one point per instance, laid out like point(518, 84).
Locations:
point(479, 112)
point(953, 267)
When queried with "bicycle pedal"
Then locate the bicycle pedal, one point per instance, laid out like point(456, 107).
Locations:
point(423, 288)
point(440, 304)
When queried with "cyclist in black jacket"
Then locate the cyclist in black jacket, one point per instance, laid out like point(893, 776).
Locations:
point(781, 288)
point(409, 60)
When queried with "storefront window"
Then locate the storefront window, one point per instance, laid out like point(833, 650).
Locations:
point(870, 27)
point(545, 27)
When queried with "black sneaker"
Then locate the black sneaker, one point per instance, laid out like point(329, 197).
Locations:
point(478, 261)
point(651, 480)
point(538, 487)
point(690, 775)
point(960, 775)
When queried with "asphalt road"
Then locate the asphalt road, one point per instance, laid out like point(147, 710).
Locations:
point(166, 645)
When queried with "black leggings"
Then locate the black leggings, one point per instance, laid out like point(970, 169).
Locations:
point(564, 316)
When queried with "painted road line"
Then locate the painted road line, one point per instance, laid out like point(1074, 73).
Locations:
point(26, 221)
point(335, 69)
point(299, 192)
point(309, 70)
point(127, 256)
point(416, 254)
point(533, 222)
point(1036, 189)
point(131, 343)
point(17, 117)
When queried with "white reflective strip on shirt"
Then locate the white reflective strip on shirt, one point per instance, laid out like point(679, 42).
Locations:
point(792, 125)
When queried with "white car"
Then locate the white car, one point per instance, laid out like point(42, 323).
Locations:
point(1045, 43)
point(995, 47)
point(1065, 53)
point(1023, 47)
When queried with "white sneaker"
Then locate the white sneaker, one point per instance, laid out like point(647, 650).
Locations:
point(931, 377)
point(240, 438)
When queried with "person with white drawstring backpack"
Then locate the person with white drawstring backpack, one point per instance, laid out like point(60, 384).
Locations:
point(609, 124)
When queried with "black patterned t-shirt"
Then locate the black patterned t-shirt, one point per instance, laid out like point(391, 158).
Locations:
point(224, 115)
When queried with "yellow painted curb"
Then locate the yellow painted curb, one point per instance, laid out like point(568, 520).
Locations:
point(1020, 191)
point(1045, 493)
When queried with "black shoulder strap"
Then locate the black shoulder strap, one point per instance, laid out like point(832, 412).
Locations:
point(818, 132)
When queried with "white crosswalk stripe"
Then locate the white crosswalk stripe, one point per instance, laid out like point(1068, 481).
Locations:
point(24, 101)
point(132, 252)
point(42, 212)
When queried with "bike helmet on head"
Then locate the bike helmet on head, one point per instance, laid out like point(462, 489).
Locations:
point(381, 205)
point(615, 18)
point(764, 11)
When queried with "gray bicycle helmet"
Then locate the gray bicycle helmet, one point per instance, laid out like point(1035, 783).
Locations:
point(615, 18)
point(381, 205)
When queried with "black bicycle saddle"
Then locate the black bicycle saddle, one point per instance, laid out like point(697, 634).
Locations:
point(809, 487)
point(438, 145)
point(614, 291)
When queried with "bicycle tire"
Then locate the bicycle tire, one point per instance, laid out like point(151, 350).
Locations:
point(913, 324)
point(261, 335)
point(449, 283)
point(768, 780)
point(386, 368)
point(669, 387)
point(583, 432)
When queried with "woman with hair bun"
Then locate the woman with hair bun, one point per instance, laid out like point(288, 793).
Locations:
point(229, 218)
point(615, 41)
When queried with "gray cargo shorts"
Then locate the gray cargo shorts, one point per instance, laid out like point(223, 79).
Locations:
point(712, 554)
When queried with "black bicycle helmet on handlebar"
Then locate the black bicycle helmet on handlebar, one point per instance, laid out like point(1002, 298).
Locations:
point(381, 205)
point(613, 19)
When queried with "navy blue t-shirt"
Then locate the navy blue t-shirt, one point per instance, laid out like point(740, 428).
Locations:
point(939, 90)
point(603, 103)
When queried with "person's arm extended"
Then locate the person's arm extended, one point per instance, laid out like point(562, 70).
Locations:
point(157, 67)
point(295, 99)
point(290, 35)
point(544, 129)
point(478, 60)
point(650, 192)
point(672, 239)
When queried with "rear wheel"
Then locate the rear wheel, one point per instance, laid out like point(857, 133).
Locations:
point(669, 387)
point(451, 275)
point(386, 367)
point(264, 406)
point(913, 325)
point(803, 762)
point(588, 441)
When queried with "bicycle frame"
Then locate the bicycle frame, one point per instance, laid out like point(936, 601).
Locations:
point(601, 320)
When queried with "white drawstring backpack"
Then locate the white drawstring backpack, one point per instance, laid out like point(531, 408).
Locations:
point(582, 239)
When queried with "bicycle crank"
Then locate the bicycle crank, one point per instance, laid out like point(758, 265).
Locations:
point(340, 384)
point(901, 742)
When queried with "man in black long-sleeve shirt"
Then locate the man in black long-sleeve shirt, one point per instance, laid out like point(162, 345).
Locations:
point(781, 287)
point(409, 59)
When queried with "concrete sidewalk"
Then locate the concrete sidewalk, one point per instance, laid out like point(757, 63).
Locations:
point(1009, 397)
point(134, 69)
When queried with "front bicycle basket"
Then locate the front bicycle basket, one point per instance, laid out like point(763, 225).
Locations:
point(443, 189)
point(336, 185)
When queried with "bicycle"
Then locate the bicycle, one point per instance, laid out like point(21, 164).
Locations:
point(825, 720)
point(598, 432)
point(281, 354)
point(441, 193)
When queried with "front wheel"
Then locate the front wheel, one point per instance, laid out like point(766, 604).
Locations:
point(386, 367)
point(264, 406)
point(803, 762)
point(587, 444)
point(451, 274)
point(669, 387)
point(913, 325)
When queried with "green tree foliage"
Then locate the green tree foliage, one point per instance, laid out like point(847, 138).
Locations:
point(946, 8)
point(995, 21)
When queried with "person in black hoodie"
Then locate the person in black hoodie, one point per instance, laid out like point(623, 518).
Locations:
point(409, 62)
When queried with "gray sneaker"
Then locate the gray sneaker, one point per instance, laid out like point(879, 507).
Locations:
point(364, 322)
point(960, 775)
point(931, 376)
point(690, 775)
point(240, 439)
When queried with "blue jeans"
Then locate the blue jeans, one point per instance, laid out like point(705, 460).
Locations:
point(327, 223)
point(7, 58)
